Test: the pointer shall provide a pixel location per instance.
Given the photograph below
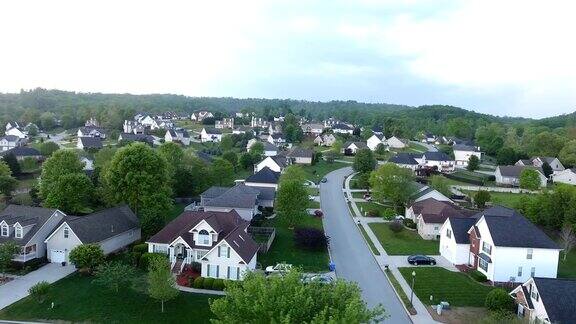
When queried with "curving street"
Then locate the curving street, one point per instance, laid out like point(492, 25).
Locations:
point(349, 252)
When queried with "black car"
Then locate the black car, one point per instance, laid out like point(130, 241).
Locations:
point(421, 259)
point(324, 180)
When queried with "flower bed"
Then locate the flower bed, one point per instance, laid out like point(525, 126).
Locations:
point(187, 276)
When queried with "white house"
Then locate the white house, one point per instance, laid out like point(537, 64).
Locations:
point(199, 116)
point(429, 215)
point(244, 199)
point(15, 131)
point(424, 192)
point(405, 160)
point(439, 160)
point(538, 161)
point(276, 139)
point(88, 143)
point(177, 135)
point(9, 142)
point(325, 140)
point(300, 155)
point(462, 154)
point(509, 175)
point(210, 135)
point(350, 148)
point(112, 229)
point(258, 122)
point(375, 140)
point(13, 124)
point(91, 131)
point(219, 241)
point(224, 123)
point(546, 300)
point(275, 163)
point(567, 176)
point(342, 128)
point(148, 122)
point(313, 129)
point(396, 143)
point(500, 243)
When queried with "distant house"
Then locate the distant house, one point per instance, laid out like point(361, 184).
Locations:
point(350, 148)
point(112, 229)
point(274, 127)
point(501, 244)
point(210, 135)
point(429, 138)
point(133, 127)
point(396, 143)
point(567, 176)
point(375, 140)
point(300, 155)
point(241, 198)
point(179, 135)
point(342, 128)
point(546, 300)
point(13, 124)
point(437, 160)
point(16, 131)
point(130, 137)
point(91, 131)
point(89, 143)
point(405, 160)
point(378, 130)
point(242, 130)
point(199, 116)
point(312, 129)
point(9, 142)
point(92, 122)
point(258, 122)
point(424, 192)
point(509, 175)
point(539, 161)
point(22, 152)
point(277, 139)
point(224, 123)
point(219, 241)
point(325, 140)
point(148, 122)
point(462, 154)
point(275, 163)
point(429, 215)
point(264, 178)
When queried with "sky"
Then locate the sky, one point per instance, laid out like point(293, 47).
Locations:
point(512, 57)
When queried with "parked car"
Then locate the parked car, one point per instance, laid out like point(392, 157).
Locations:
point(324, 180)
point(310, 197)
point(367, 197)
point(421, 259)
point(318, 278)
point(278, 268)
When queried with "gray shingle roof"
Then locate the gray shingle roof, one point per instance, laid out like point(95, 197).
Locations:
point(264, 176)
point(269, 146)
point(239, 196)
point(11, 138)
point(102, 225)
point(514, 171)
point(437, 156)
point(403, 158)
point(22, 151)
point(342, 126)
point(465, 148)
point(559, 298)
point(211, 130)
point(460, 227)
point(299, 152)
point(91, 142)
point(25, 215)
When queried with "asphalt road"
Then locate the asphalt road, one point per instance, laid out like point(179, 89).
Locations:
point(353, 259)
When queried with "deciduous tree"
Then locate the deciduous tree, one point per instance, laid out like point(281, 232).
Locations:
point(222, 172)
point(481, 198)
point(473, 163)
point(61, 163)
point(7, 252)
point(114, 275)
point(87, 256)
point(291, 201)
point(71, 193)
point(364, 161)
point(161, 283)
point(392, 183)
point(530, 179)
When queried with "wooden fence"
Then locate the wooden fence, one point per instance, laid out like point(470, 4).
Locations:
point(264, 236)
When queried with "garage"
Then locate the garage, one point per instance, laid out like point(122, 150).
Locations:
point(57, 256)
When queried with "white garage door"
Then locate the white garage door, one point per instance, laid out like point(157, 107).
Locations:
point(58, 256)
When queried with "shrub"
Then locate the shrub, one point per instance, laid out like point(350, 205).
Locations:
point(388, 213)
point(218, 284)
point(409, 223)
point(478, 276)
point(199, 283)
point(39, 291)
point(257, 220)
point(373, 212)
point(87, 256)
point(191, 282)
point(142, 248)
point(208, 283)
point(481, 198)
point(146, 258)
point(396, 226)
point(310, 238)
point(196, 267)
point(499, 300)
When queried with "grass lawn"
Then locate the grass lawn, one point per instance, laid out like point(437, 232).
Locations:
point(369, 241)
point(22, 199)
point(176, 210)
point(77, 299)
point(317, 171)
point(313, 204)
point(26, 183)
point(567, 269)
point(404, 243)
point(284, 250)
point(366, 206)
point(503, 198)
point(454, 287)
point(405, 300)
point(358, 195)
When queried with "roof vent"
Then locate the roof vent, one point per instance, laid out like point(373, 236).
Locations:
point(236, 243)
point(240, 236)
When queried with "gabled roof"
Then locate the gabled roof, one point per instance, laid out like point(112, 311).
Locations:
point(91, 142)
point(465, 148)
point(130, 137)
point(559, 298)
point(269, 146)
point(239, 196)
point(378, 136)
point(22, 151)
point(280, 160)
point(460, 227)
point(210, 130)
point(359, 145)
point(277, 136)
point(435, 211)
point(437, 156)
point(25, 215)
point(11, 138)
point(342, 126)
point(299, 152)
point(404, 158)
point(264, 176)
point(514, 171)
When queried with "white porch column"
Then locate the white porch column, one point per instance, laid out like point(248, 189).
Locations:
point(171, 253)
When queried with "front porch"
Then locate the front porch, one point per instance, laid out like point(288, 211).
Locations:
point(27, 253)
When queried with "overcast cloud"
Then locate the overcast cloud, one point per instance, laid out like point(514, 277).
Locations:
point(502, 57)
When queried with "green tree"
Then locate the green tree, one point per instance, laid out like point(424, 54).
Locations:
point(481, 198)
point(47, 121)
point(441, 184)
point(547, 169)
point(114, 275)
point(257, 149)
point(48, 148)
point(364, 161)
point(227, 143)
point(380, 149)
point(246, 161)
point(7, 251)
point(103, 157)
point(7, 182)
point(291, 201)
point(61, 163)
point(160, 281)
point(568, 154)
point(32, 130)
point(173, 154)
point(508, 156)
point(499, 300)
point(392, 183)
point(87, 256)
point(473, 163)
point(285, 299)
point(545, 144)
point(12, 162)
point(222, 172)
point(293, 172)
point(29, 164)
point(39, 291)
point(231, 157)
point(530, 179)
point(490, 138)
point(71, 193)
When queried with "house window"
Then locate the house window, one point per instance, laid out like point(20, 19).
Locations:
point(200, 255)
point(448, 233)
point(519, 271)
point(436, 228)
point(204, 237)
point(533, 272)
point(213, 270)
point(483, 264)
point(159, 249)
point(529, 254)
point(228, 272)
point(486, 248)
point(18, 232)
point(534, 295)
point(66, 232)
point(5, 230)
point(237, 273)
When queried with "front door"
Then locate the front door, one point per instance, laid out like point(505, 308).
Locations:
point(181, 252)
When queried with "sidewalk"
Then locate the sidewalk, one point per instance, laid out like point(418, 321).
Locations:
point(200, 291)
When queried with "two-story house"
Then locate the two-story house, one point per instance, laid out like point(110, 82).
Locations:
point(462, 154)
point(546, 300)
point(244, 199)
point(224, 123)
point(538, 161)
point(219, 241)
point(9, 142)
point(210, 135)
point(429, 215)
point(91, 131)
point(438, 160)
point(275, 163)
point(509, 175)
point(500, 243)
point(375, 140)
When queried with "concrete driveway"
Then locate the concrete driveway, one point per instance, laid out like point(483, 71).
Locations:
point(353, 259)
point(400, 261)
point(17, 289)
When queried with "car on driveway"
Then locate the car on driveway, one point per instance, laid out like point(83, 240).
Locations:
point(280, 268)
point(421, 260)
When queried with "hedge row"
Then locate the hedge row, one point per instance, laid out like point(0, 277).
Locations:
point(208, 283)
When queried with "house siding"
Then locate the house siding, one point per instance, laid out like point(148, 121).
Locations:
point(43, 233)
point(58, 242)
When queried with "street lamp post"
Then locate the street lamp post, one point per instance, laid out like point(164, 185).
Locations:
point(412, 290)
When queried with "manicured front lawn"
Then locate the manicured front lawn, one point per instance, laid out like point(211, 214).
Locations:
point(358, 194)
point(367, 206)
point(567, 269)
point(506, 199)
point(369, 241)
point(317, 171)
point(404, 243)
point(454, 287)
point(77, 299)
point(283, 248)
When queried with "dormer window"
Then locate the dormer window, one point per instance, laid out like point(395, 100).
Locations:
point(18, 232)
point(204, 237)
point(5, 230)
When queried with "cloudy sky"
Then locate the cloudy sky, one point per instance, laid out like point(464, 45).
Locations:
point(512, 57)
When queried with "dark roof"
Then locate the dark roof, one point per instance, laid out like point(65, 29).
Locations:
point(11, 138)
point(239, 196)
point(527, 297)
point(25, 215)
point(377, 129)
point(22, 151)
point(88, 129)
point(129, 137)
point(211, 130)
point(300, 152)
point(360, 145)
point(403, 158)
point(342, 126)
point(559, 298)
point(102, 225)
point(514, 171)
point(277, 136)
point(460, 227)
point(172, 132)
point(264, 176)
point(229, 226)
point(269, 146)
point(435, 211)
point(280, 160)
point(437, 156)
point(91, 142)
point(466, 148)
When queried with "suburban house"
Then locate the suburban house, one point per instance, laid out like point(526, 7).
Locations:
point(462, 154)
point(112, 229)
point(275, 163)
point(424, 192)
point(342, 128)
point(132, 126)
point(546, 300)
point(14, 129)
point(224, 123)
point(13, 124)
point(300, 155)
point(263, 178)
point(28, 227)
point(179, 135)
point(9, 142)
point(219, 241)
point(405, 160)
point(437, 160)
point(378, 130)
point(350, 148)
point(396, 143)
point(89, 143)
point(210, 135)
point(312, 129)
point(500, 243)
point(276, 139)
point(147, 121)
point(269, 148)
point(567, 176)
point(375, 140)
point(91, 131)
point(325, 140)
point(509, 175)
point(199, 116)
point(22, 152)
point(539, 161)
point(429, 138)
point(244, 199)
point(258, 122)
point(429, 215)
point(130, 137)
